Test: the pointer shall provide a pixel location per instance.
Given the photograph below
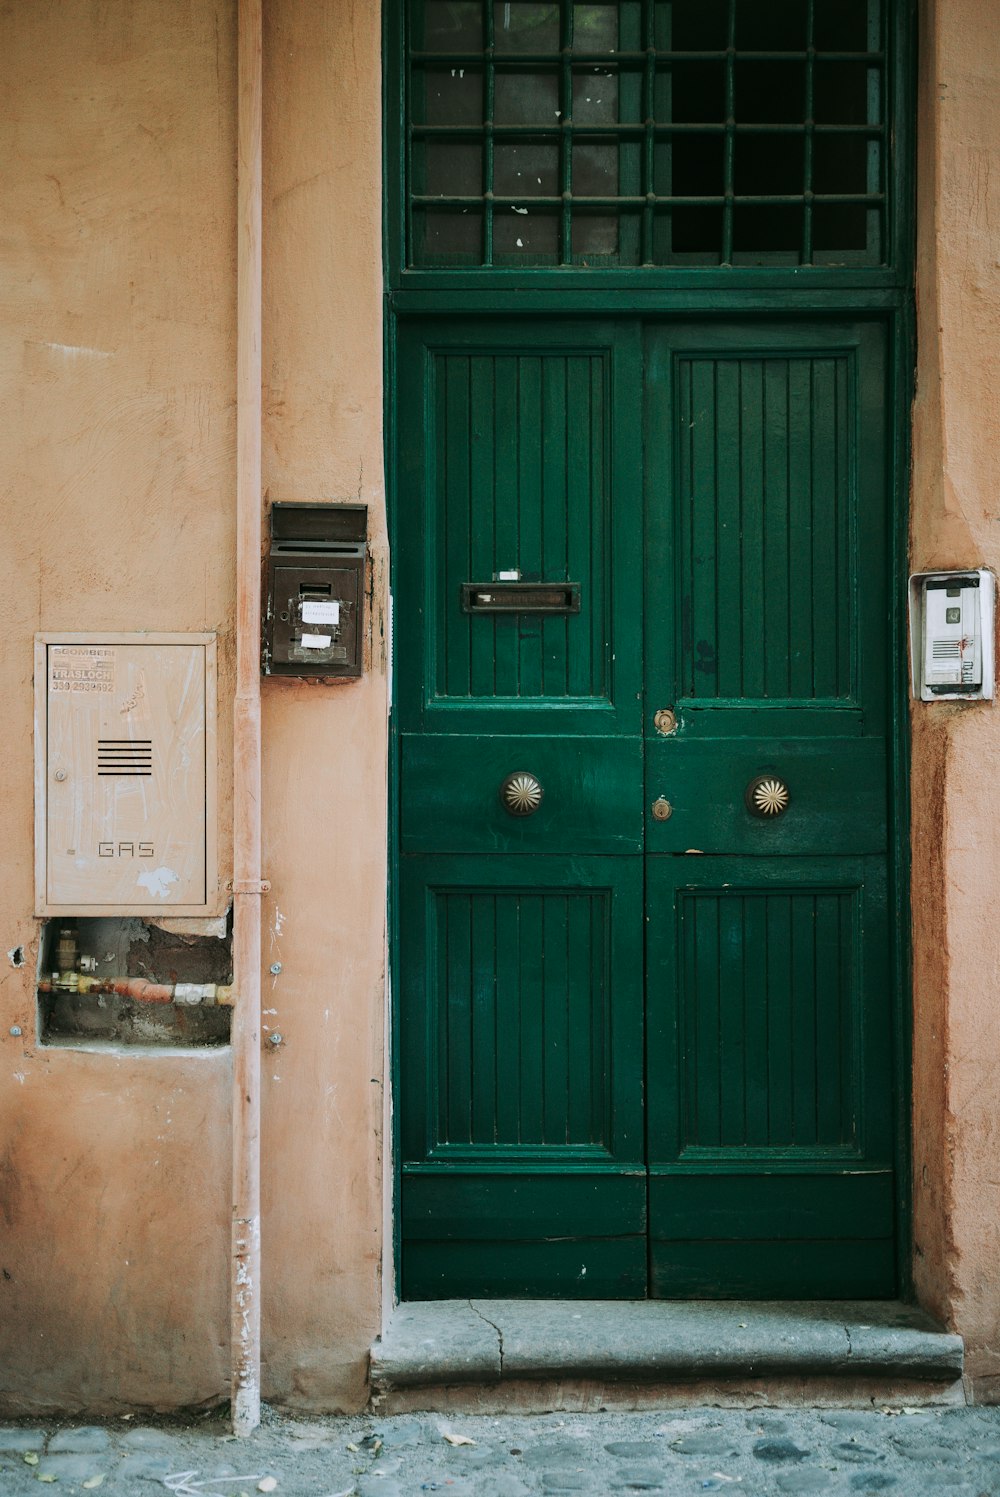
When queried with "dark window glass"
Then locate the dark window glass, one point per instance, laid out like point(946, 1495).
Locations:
point(771, 25)
point(840, 228)
point(694, 168)
point(526, 233)
point(693, 25)
point(767, 165)
point(452, 26)
point(770, 93)
point(840, 163)
point(526, 99)
point(646, 132)
point(453, 168)
point(523, 26)
point(766, 230)
point(840, 93)
point(453, 96)
point(697, 92)
point(841, 25)
point(595, 28)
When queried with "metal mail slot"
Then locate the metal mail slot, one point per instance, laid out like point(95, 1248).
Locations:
point(521, 597)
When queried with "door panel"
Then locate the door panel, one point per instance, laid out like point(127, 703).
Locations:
point(590, 802)
point(767, 1034)
point(522, 1123)
point(764, 523)
point(766, 546)
point(519, 453)
point(837, 794)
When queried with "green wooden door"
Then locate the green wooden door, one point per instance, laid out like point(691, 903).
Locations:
point(642, 1055)
point(768, 982)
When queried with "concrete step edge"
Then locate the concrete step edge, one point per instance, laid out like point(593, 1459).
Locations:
point(489, 1342)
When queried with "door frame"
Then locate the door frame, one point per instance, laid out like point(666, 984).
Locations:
point(705, 293)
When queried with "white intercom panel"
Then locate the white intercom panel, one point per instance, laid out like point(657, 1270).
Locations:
point(125, 774)
point(951, 635)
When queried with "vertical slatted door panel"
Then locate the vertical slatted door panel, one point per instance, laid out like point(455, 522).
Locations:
point(769, 1053)
point(767, 626)
point(769, 1057)
point(521, 1001)
point(764, 540)
point(521, 1061)
point(521, 465)
point(518, 485)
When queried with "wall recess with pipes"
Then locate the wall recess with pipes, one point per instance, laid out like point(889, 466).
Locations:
point(123, 981)
point(124, 822)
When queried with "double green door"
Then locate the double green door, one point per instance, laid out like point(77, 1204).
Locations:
point(644, 1042)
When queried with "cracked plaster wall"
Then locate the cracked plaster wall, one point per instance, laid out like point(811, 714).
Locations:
point(117, 372)
point(956, 788)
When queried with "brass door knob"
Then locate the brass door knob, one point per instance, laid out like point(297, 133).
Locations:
point(521, 793)
point(767, 796)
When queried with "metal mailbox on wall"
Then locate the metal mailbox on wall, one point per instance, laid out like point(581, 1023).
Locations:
point(125, 774)
point(313, 624)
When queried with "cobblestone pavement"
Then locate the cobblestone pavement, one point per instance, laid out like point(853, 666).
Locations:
point(769, 1453)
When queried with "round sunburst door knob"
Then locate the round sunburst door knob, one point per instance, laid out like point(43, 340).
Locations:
point(521, 793)
point(767, 796)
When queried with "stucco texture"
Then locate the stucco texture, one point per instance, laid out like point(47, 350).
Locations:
point(117, 359)
point(118, 375)
point(324, 747)
point(956, 789)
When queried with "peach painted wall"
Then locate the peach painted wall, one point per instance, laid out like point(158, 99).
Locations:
point(956, 747)
point(117, 370)
point(324, 747)
point(117, 358)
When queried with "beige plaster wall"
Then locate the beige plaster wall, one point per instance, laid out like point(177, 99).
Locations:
point(117, 367)
point(956, 786)
point(324, 747)
point(117, 283)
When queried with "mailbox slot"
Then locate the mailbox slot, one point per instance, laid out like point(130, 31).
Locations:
point(314, 620)
point(521, 597)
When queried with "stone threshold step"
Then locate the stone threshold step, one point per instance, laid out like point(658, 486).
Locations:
point(489, 1342)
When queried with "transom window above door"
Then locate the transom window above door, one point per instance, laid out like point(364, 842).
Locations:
point(663, 133)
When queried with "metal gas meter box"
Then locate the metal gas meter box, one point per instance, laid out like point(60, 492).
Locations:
point(314, 619)
point(125, 774)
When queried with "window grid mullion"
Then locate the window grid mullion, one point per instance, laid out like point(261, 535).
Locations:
point(631, 82)
point(408, 81)
point(566, 136)
point(730, 143)
point(810, 122)
point(875, 225)
point(648, 187)
point(489, 84)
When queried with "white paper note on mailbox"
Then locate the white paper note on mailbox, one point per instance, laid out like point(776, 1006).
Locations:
point(320, 613)
point(316, 641)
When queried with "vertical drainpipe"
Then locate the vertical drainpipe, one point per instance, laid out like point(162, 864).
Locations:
point(247, 883)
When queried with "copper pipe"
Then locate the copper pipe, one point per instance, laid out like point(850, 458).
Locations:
point(138, 988)
point(247, 884)
point(187, 994)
